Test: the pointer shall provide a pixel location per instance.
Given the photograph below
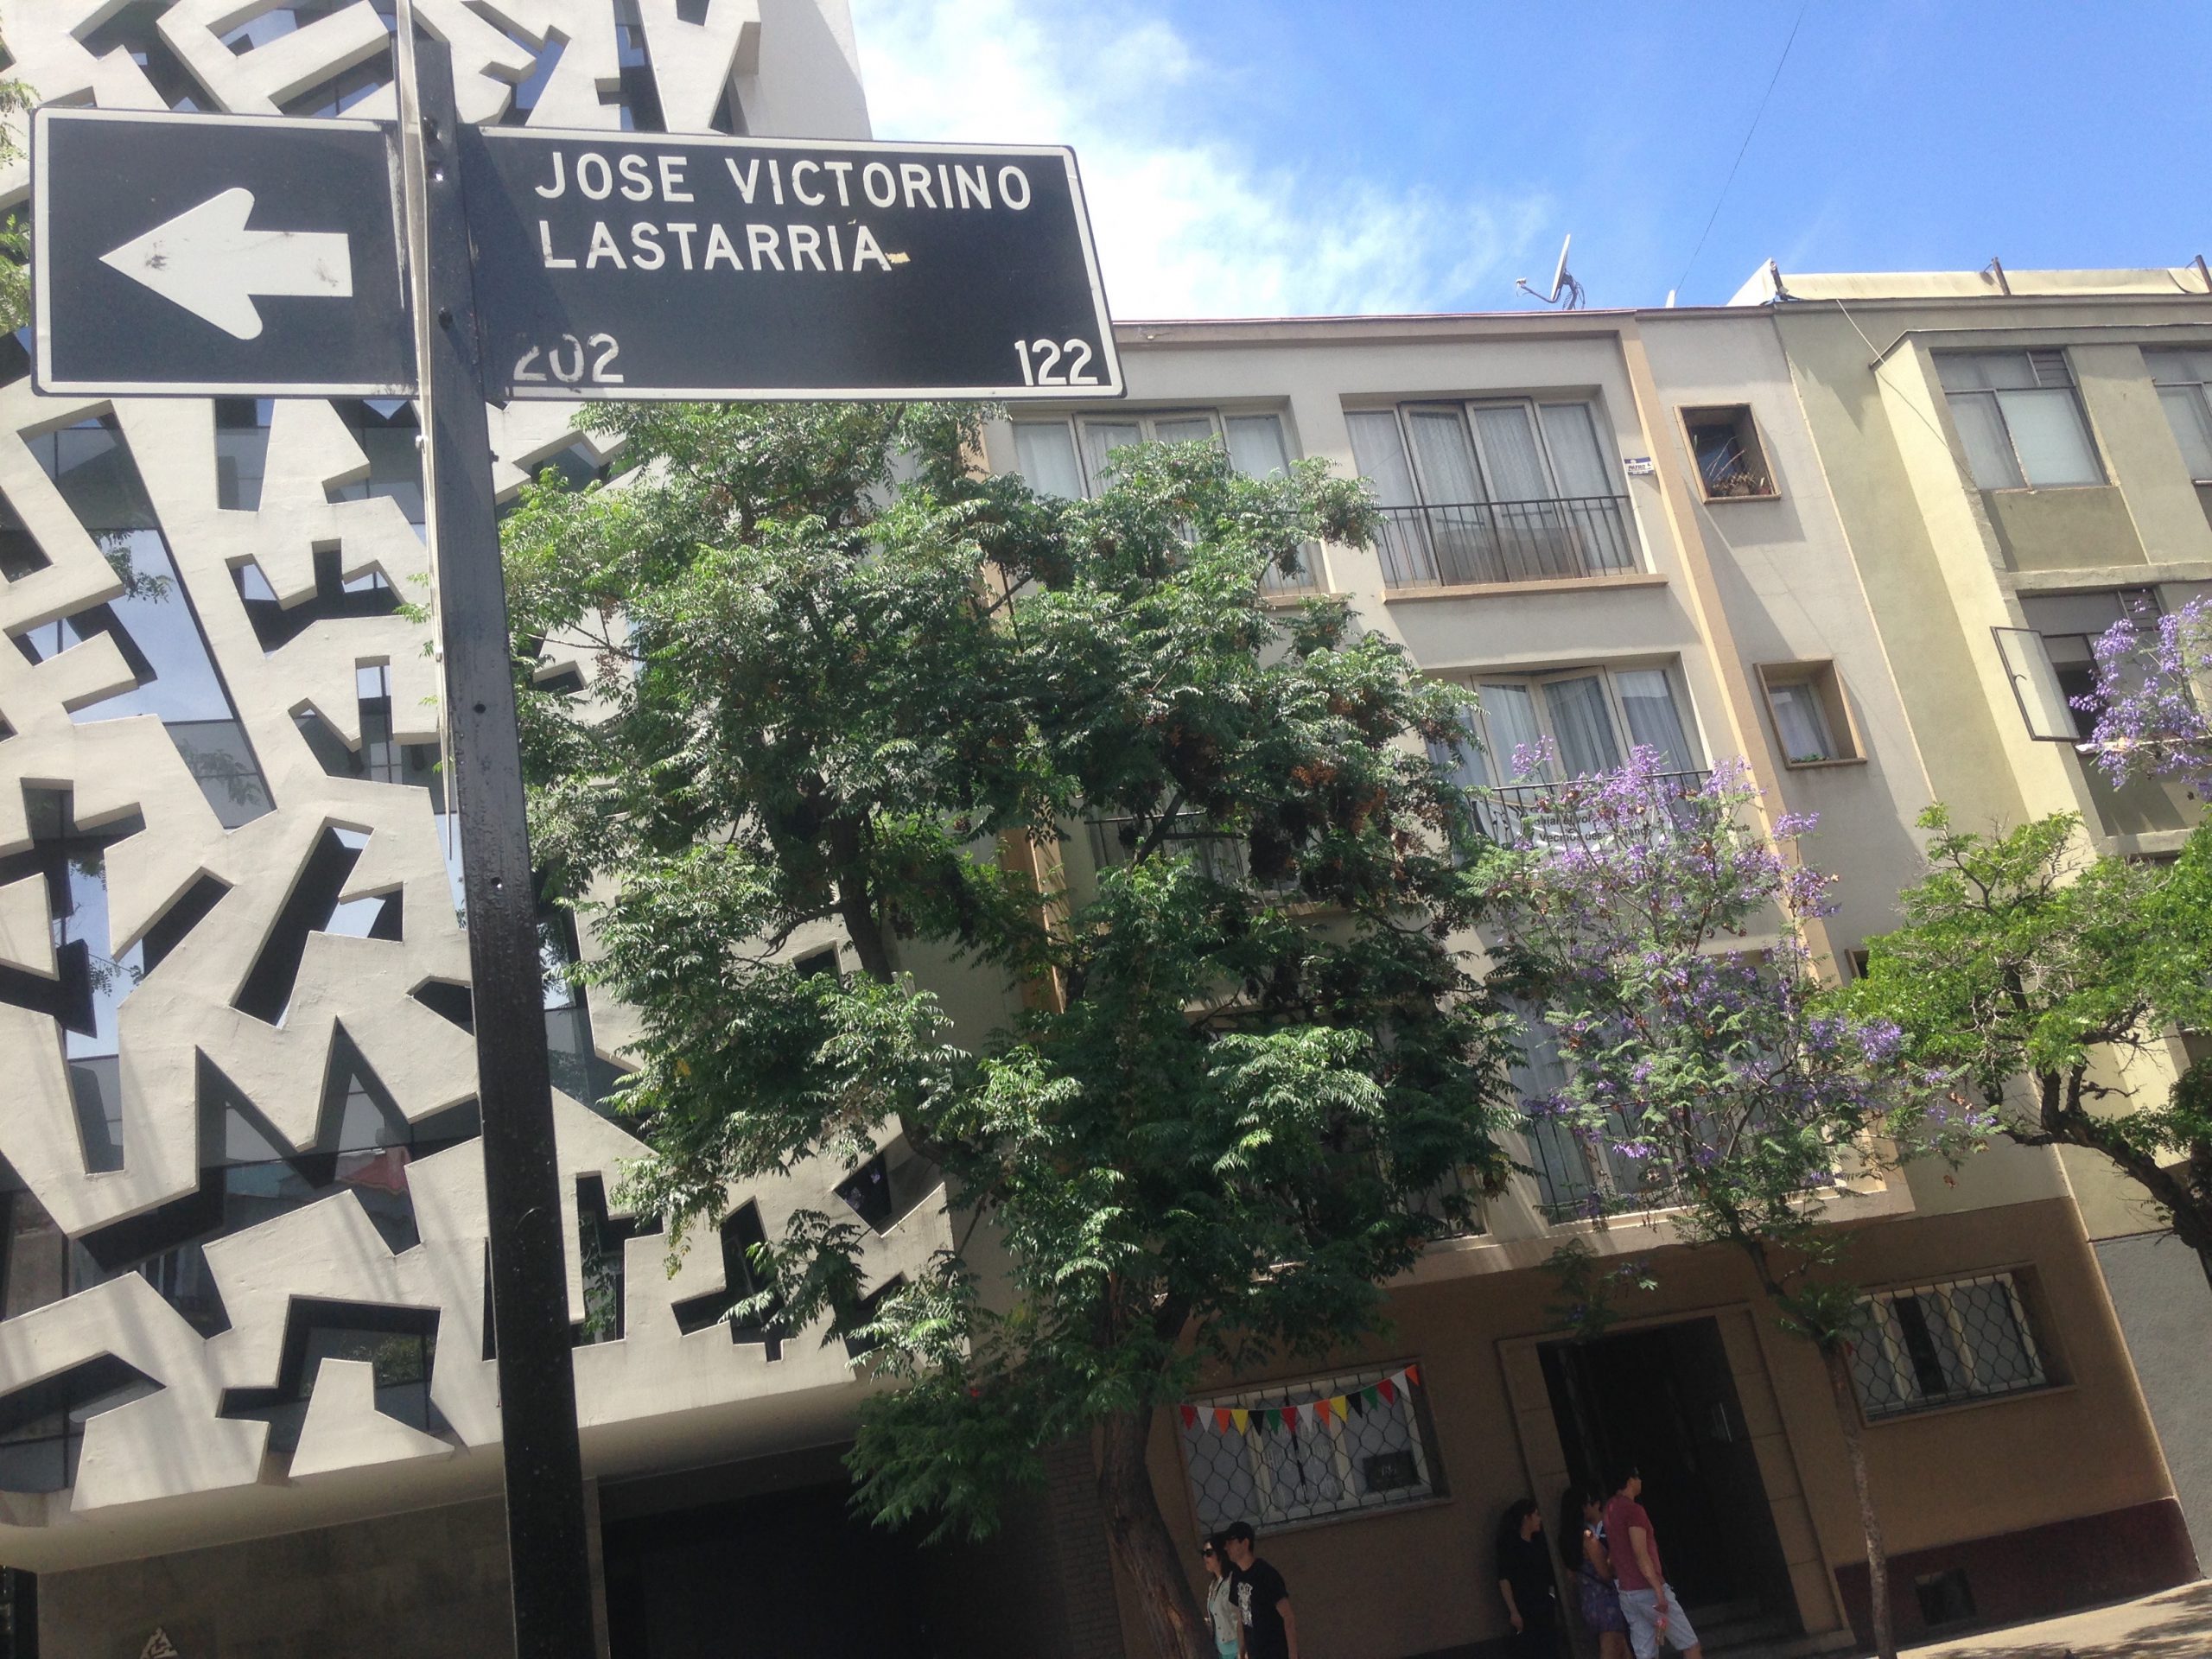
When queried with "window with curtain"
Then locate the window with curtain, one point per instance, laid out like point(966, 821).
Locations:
point(2184, 382)
point(1495, 491)
point(2019, 419)
point(1811, 722)
point(1074, 458)
point(1591, 717)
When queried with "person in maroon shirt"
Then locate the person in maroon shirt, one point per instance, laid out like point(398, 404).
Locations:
point(1646, 1599)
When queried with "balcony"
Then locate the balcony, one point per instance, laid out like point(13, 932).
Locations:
point(1545, 812)
point(1479, 542)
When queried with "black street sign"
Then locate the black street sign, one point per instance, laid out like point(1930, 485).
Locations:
point(204, 254)
point(209, 254)
point(627, 265)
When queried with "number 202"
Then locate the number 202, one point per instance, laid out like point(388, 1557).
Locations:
point(566, 362)
point(1041, 365)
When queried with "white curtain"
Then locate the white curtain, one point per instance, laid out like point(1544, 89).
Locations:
point(1510, 456)
point(1800, 723)
point(1654, 723)
point(1101, 439)
point(1989, 451)
point(1509, 712)
point(1576, 458)
point(1256, 448)
point(1445, 458)
point(1469, 770)
point(1046, 453)
point(1582, 725)
point(1183, 428)
point(1380, 454)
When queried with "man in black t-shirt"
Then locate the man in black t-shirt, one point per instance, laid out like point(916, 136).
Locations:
point(1262, 1600)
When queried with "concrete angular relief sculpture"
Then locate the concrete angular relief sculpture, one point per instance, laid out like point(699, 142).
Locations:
point(245, 1206)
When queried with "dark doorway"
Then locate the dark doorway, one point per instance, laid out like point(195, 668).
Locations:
point(1664, 1398)
point(766, 1559)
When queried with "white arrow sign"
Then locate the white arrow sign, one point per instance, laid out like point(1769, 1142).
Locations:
point(207, 261)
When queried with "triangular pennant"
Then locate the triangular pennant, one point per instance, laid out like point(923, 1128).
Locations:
point(1341, 1408)
point(1243, 1419)
point(1221, 1420)
point(1370, 1396)
point(1322, 1409)
point(1290, 1418)
point(1387, 1388)
point(1412, 1375)
point(1190, 1416)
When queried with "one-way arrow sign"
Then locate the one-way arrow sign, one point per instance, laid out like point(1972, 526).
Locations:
point(208, 260)
point(208, 254)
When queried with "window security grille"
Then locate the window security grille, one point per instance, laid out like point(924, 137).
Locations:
point(1375, 1454)
point(1941, 1345)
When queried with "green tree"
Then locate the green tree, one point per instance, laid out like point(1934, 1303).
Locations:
point(1253, 1066)
point(2024, 958)
point(16, 100)
point(1661, 936)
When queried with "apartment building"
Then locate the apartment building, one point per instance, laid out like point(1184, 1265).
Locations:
point(246, 1393)
point(1623, 528)
point(2019, 459)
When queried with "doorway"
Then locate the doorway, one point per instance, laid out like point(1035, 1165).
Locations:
point(1664, 1398)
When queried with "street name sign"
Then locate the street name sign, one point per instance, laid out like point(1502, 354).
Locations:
point(206, 254)
point(197, 254)
point(624, 265)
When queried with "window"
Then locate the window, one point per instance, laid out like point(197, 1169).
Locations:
point(1577, 1174)
point(2184, 382)
point(2019, 419)
point(1073, 458)
point(1371, 1448)
point(1941, 1345)
point(1475, 494)
point(2068, 626)
point(1574, 722)
point(1731, 465)
point(1811, 720)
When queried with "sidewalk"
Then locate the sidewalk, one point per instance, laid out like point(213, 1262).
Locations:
point(2174, 1625)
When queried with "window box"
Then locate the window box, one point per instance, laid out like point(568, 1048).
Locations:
point(1811, 718)
point(1732, 463)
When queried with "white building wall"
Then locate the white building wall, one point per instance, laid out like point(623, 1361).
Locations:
point(179, 1465)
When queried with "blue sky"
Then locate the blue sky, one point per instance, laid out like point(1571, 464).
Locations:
point(1245, 158)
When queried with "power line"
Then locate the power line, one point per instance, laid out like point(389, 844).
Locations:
point(1745, 147)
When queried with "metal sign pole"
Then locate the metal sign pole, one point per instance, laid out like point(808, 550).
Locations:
point(549, 1556)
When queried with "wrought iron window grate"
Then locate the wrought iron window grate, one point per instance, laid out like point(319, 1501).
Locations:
point(1941, 1345)
point(1377, 1453)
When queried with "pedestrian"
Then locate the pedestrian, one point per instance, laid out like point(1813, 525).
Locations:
point(1648, 1601)
point(1220, 1596)
point(1524, 1579)
point(1262, 1600)
point(1582, 1546)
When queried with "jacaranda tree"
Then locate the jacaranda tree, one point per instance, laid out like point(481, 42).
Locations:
point(843, 677)
point(1661, 936)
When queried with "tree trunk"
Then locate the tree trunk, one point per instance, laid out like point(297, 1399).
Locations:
point(1142, 1545)
point(1838, 1361)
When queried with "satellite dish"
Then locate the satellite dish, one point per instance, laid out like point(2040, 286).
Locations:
point(1564, 292)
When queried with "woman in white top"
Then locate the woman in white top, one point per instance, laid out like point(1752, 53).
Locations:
point(1221, 1600)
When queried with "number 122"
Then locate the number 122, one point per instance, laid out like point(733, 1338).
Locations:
point(1044, 368)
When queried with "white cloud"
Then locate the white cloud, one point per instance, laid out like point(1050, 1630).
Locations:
point(1190, 223)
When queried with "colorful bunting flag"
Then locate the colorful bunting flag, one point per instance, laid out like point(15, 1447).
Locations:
point(1335, 1407)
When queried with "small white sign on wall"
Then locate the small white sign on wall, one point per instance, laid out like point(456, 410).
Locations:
point(1637, 466)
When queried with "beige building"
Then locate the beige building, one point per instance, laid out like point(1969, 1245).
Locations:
point(2019, 459)
point(1625, 528)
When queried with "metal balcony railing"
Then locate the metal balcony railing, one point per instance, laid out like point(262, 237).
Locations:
point(1545, 811)
point(1465, 543)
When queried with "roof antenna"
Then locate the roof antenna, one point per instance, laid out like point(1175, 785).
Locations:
point(1566, 292)
point(1995, 271)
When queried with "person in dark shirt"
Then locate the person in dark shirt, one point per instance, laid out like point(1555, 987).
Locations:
point(1524, 1579)
point(1262, 1600)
